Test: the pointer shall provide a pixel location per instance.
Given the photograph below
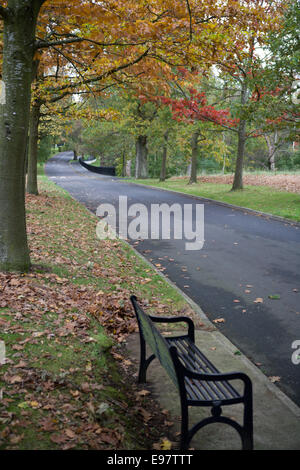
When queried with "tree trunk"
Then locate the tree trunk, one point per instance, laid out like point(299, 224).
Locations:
point(238, 174)
point(272, 147)
point(75, 156)
point(32, 186)
point(163, 170)
point(194, 145)
point(128, 168)
point(141, 167)
point(123, 164)
point(18, 52)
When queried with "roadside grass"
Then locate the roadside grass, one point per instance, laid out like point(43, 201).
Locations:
point(50, 372)
point(67, 382)
point(108, 265)
point(260, 198)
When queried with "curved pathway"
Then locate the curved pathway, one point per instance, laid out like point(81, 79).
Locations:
point(244, 260)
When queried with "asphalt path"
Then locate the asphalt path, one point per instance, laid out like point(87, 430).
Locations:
point(245, 260)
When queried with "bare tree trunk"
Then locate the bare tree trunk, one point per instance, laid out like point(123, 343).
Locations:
point(123, 164)
point(141, 167)
point(163, 170)
point(238, 175)
point(18, 51)
point(272, 147)
point(224, 156)
point(32, 186)
point(75, 156)
point(128, 168)
point(194, 145)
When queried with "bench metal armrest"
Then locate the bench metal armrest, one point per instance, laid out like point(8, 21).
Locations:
point(217, 377)
point(190, 323)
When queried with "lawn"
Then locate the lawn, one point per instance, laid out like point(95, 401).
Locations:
point(67, 382)
point(260, 198)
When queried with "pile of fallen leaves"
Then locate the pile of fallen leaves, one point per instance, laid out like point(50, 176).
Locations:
point(283, 182)
point(36, 293)
point(67, 382)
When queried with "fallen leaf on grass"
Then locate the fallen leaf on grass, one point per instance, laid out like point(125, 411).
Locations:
point(85, 387)
point(146, 415)
point(59, 438)
point(143, 393)
point(34, 404)
point(13, 380)
point(164, 444)
point(71, 434)
point(109, 438)
point(16, 439)
point(21, 364)
point(48, 424)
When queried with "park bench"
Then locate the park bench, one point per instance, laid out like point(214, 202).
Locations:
point(198, 381)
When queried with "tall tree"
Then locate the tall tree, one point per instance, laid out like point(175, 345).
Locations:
point(20, 19)
point(194, 110)
point(116, 35)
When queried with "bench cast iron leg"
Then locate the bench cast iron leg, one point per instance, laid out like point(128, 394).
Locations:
point(144, 363)
point(184, 438)
point(248, 423)
point(245, 431)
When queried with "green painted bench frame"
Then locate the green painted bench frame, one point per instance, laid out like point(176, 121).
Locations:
point(198, 381)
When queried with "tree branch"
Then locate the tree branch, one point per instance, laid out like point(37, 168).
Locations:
point(190, 19)
point(41, 43)
point(104, 75)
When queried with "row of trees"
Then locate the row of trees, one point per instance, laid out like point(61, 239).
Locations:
point(52, 50)
point(167, 143)
point(246, 101)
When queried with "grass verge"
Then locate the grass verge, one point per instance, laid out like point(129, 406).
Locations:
point(260, 198)
point(67, 382)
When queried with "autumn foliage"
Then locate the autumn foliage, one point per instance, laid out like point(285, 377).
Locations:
point(193, 108)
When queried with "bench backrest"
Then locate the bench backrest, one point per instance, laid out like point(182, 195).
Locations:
point(155, 340)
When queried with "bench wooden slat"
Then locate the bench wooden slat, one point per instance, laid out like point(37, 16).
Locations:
point(207, 391)
point(219, 390)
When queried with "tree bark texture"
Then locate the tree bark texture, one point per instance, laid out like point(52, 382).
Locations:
point(32, 186)
point(238, 174)
point(194, 145)
point(141, 164)
point(18, 53)
point(163, 170)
